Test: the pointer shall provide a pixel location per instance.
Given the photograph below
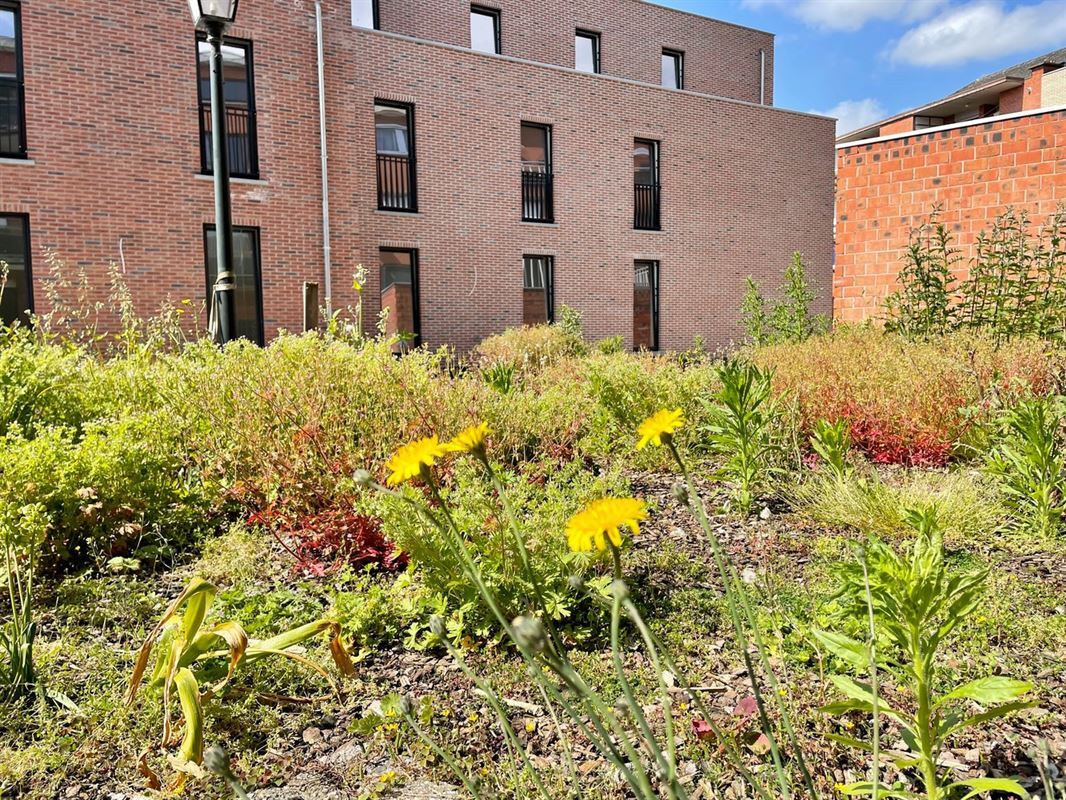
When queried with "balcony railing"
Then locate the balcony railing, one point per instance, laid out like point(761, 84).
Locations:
point(396, 183)
point(646, 207)
point(538, 202)
point(241, 143)
point(11, 141)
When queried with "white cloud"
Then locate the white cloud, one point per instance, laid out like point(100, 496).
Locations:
point(981, 30)
point(850, 15)
point(852, 114)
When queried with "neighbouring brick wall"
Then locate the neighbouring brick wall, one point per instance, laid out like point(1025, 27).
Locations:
point(975, 172)
point(743, 187)
point(720, 58)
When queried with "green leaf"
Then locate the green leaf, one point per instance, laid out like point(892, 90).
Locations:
point(846, 706)
point(867, 788)
point(982, 785)
point(995, 689)
point(848, 741)
point(192, 743)
point(845, 648)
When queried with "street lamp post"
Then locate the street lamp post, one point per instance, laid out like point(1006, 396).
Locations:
point(214, 17)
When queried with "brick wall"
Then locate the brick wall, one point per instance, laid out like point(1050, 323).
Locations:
point(743, 187)
point(113, 139)
point(720, 58)
point(975, 171)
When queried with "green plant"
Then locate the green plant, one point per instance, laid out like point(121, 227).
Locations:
point(621, 732)
point(922, 307)
point(1030, 463)
point(740, 430)
point(832, 441)
point(500, 376)
point(569, 322)
point(788, 320)
point(22, 530)
point(191, 656)
point(912, 605)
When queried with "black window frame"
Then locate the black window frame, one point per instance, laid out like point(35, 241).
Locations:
point(27, 244)
point(497, 25)
point(923, 121)
point(412, 158)
point(653, 279)
point(20, 81)
point(253, 110)
point(679, 66)
point(376, 12)
point(656, 186)
point(549, 284)
point(547, 189)
point(416, 295)
point(258, 243)
point(594, 37)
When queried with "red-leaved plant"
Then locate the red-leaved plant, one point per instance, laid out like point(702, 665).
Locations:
point(324, 541)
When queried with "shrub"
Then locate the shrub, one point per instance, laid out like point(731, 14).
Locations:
point(908, 402)
point(530, 349)
point(788, 320)
point(1016, 284)
point(832, 441)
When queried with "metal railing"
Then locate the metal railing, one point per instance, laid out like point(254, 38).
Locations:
point(11, 140)
point(396, 183)
point(646, 216)
point(241, 144)
point(538, 201)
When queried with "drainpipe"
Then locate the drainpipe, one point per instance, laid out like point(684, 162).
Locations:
point(327, 266)
point(762, 77)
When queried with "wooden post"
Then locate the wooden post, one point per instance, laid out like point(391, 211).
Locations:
point(310, 306)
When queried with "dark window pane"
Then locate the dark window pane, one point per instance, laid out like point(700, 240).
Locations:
point(16, 297)
point(364, 13)
point(247, 297)
point(535, 147)
point(11, 112)
point(399, 294)
point(646, 191)
point(394, 142)
point(586, 52)
point(643, 163)
point(484, 30)
point(646, 305)
point(537, 290)
point(240, 110)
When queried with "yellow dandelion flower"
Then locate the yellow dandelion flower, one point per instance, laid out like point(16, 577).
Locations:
point(661, 423)
point(411, 459)
point(601, 520)
point(471, 440)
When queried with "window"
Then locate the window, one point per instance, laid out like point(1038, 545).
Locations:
point(241, 139)
point(538, 290)
point(537, 200)
point(485, 29)
point(16, 295)
point(673, 69)
point(365, 14)
point(248, 297)
point(927, 122)
point(646, 305)
point(399, 294)
point(12, 95)
point(587, 51)
point(394, 129)
point(646, 188)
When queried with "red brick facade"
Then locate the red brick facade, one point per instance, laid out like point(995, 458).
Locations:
point(974, 170)
point(114, 158)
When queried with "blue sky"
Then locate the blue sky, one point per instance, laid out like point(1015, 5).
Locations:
point(862, 60)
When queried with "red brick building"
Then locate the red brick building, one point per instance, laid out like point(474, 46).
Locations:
point(486, 163)
point(998, 142)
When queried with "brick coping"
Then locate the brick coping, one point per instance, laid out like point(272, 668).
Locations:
point(970, 123)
